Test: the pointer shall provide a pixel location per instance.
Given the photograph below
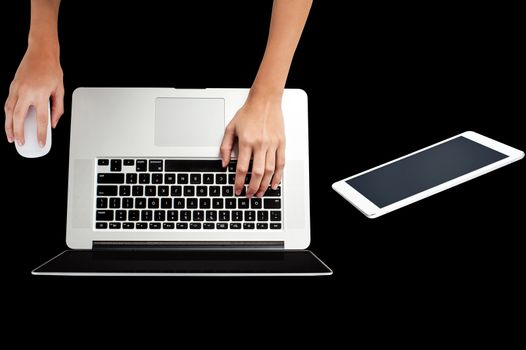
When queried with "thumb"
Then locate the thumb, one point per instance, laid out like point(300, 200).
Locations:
point(227, 144)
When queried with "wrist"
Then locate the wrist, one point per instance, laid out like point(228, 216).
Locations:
point(46, 47)
point(262, 94)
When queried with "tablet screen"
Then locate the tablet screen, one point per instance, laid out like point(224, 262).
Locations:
point(424, 170)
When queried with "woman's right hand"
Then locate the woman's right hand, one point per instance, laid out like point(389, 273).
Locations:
point(38, 78)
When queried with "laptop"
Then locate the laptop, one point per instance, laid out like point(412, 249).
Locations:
point(148, 195)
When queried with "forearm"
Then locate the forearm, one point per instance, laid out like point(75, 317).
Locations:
point(43, 33)
point(286, 26)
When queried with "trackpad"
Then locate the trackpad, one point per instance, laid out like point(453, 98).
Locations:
point(189, 122)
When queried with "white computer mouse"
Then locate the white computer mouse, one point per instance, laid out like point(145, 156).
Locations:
point(31, 149)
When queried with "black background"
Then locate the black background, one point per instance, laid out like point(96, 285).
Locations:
point(383, 80)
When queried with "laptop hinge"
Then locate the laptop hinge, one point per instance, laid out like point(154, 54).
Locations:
point(186, 245)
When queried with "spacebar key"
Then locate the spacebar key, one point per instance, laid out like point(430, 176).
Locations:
point(186, 165)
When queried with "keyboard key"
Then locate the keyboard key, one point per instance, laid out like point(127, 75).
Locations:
point(128, 225)
point(144, 178)
point(211, 215)
point(242, 203)
point(110, 178)
point(155, 225)
point(179, 203)
point(115, 225)
point(208, 179)
point(248, 226)
point(191, 203)
point(106, 190)
point(272, 203)
point(159, 215)
point(222, 226)
point(221, 179)
point(235, 226)
point(275, 226)
point(140, 203)
point(231, 179)
point(103, 162)
point(228, 191)
point(182, 178)
point(169, 178)
point(124, 190)
point(133, 215)
point(115, 203)
point(150, 191)
point(146, 215)
point(166, 203)
point(232, 167)
point(127, 203)
point(195, 226)
point(237, 215)
point(187, 165)
point(215, 191)
point(195, 179)
point(250, 215)
point(198, 215)
point(202, 191)
point(230, 203)
point(275, 215)
point(182, 226)
point(224, 215)
point(156, 165)
point(102, 202)
point(168, 225)
point(209, 226)
point(101, 225)
point(189, 191)
point(120, 215)
point(153, 203)
point(137, 191)
point(131, 178)
point(217, 203)
point(162, 191)
point(262, 226)
point(129, 162)
point(255, 203)
point(204, 203)
point(157, 179)
point(141, 225)
point(186, 215)
point(273, 193)
point(116, 165)
point(172, 215)
point(175, 191)
point(140, 165)
point(262, 215)
point(247, 179)
point(104, 215)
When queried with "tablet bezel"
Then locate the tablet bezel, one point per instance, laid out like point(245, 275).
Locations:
point(370, 210)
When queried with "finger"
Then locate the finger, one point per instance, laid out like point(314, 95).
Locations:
point(258, 170)
point(243, 160)
point(270, 167)
point(227, 144)
point(57, 106)
point(280, 165)
point(9, 108)
point(19, 115)
point(42, 120)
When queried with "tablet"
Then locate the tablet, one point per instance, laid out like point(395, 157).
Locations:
point(425, 172)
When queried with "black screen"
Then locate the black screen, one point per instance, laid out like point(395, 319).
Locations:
point(424, 170)
point(181, 262)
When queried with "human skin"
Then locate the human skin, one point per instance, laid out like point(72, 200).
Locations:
point(257, 127)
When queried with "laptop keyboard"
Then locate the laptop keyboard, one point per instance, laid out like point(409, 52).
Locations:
point(177, 194)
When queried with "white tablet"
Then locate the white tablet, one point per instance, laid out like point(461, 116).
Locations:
point(425, 172)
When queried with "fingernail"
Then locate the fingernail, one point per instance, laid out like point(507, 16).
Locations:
point(41, 144)
point(274, 187)
point(238, 192)
point(20, 143)
point(249, 195)
point(260, 194)
point(10, 139)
